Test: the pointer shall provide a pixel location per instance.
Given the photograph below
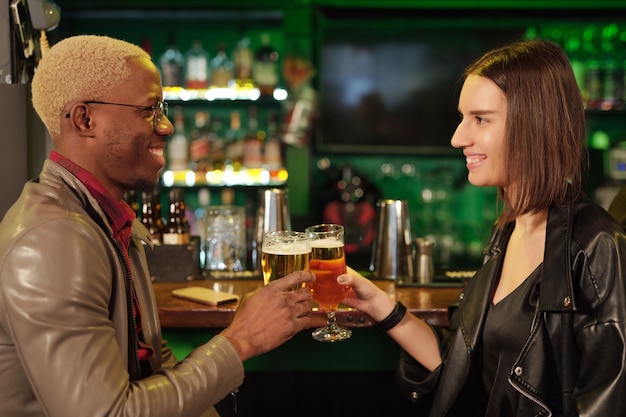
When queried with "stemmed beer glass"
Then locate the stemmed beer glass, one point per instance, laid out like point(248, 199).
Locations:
point(283, 252)
point(327, 262)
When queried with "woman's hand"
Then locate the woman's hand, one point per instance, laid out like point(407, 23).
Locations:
point(365, 296)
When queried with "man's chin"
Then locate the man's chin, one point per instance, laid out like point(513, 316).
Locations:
point(145, 185)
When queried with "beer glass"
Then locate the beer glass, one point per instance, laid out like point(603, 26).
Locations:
point(328, 261)
point(284, 252)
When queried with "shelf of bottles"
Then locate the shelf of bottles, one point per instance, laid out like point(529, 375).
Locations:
point(597, 52)
point(226, 114)
point(212, 155)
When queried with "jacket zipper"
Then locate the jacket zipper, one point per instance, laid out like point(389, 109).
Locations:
point(132, 319)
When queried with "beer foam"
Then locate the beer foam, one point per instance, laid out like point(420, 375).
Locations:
point(326, 243)
point(291, 249)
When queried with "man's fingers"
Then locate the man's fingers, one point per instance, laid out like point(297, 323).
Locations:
point(291, 280)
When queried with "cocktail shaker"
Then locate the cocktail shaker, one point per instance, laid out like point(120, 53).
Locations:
point(272, 215)
point(392, 250)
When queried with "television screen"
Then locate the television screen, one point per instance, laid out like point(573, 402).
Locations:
point(394, 88)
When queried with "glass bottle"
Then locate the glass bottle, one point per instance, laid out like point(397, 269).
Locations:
point(265, 73)
point(177, 230)
point(272, 153)
point(130, 197)
point(200, 146)
point(178, 146)
point(253, 150)
point(197, 66)
point(234, 146)
point(151, 214)
point(593, 76)
point(242, 59)
point(221, 68)
point(172, 63)
point(610, 68)
point(216, 144)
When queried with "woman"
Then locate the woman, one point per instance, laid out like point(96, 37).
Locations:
point(540, 329)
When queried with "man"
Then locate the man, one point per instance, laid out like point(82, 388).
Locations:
point(79, 331)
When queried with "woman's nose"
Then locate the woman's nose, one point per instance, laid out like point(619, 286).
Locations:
point(458, 140)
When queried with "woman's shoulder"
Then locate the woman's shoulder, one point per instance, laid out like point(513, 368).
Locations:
point(591, 218)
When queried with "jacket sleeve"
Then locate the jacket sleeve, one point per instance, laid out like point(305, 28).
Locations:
point(599, 328)
point(413, 379)
point(55, 310)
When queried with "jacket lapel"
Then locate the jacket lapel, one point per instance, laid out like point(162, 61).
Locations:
point(557, 292)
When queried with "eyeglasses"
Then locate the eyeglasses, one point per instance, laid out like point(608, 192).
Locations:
point(158, 110)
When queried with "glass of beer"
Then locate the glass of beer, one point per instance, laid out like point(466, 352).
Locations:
point(328, 261)
point(284, 252)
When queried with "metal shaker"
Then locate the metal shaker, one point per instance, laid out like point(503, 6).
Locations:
point(424, 266)
point(392, 254)
point(272, 215)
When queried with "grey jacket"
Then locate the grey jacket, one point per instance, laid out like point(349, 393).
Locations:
point(64, 329)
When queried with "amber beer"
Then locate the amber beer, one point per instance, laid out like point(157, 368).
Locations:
point(279, 262)
point(284, 252)
point(328, 261)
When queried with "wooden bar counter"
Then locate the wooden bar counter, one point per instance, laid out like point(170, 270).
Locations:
point(430, 303)
point(303, 377)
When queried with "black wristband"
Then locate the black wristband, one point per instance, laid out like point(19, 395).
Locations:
point(395, 317)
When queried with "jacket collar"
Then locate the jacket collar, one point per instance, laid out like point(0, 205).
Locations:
point(52, 172)
point(556, 281)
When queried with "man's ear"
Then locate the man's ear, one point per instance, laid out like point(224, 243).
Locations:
point(80, 119)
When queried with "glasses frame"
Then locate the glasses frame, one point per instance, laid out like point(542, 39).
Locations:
point(158, 110)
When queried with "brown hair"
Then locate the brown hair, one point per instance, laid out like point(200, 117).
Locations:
point(85, 67)
point(544, 147)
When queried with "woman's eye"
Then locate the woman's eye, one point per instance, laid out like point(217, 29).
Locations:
point(480, 120)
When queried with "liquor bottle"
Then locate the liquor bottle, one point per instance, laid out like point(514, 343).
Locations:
point(265, 71)
point(178, 146)
point(200, 146)
point(130, 197)
point(611, 79)
point(172, 63)
point(177, 230)
point(594, 76)
point(151, 214)
point(221, 68)
point(253, 146)
point(242, 59)
point(216, 144)
point(234, 143)
point(272, 153)
point(197, 66)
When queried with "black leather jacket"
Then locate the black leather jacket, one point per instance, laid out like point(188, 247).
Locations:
point(573, 362)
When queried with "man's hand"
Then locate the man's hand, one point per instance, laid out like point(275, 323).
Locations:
point(271, 315)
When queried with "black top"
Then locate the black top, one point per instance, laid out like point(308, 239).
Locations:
point(506, 330)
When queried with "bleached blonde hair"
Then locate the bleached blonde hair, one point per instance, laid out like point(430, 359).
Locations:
point(80, 68)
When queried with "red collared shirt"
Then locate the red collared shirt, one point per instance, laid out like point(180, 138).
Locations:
point(120, 216)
